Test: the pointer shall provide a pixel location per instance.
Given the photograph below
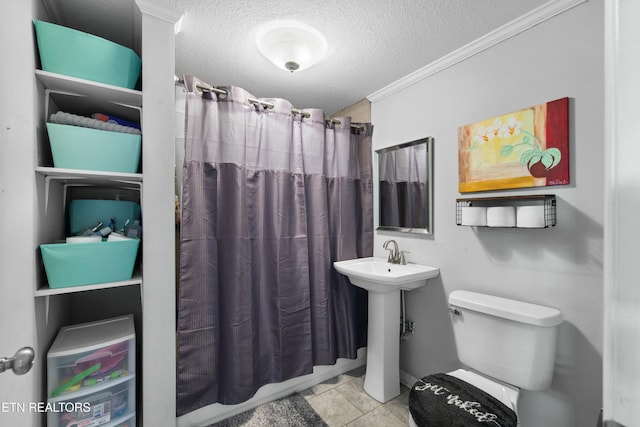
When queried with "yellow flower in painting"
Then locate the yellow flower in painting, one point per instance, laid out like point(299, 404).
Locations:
point(484, 134)
point(495, 128)
point(511, 128)
point(487, 133)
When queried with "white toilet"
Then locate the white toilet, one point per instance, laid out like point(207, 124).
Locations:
point(504, 345)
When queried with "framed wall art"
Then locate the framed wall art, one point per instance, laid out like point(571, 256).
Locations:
point(525, 148)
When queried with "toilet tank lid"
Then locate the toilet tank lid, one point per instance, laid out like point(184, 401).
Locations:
point(518, 311)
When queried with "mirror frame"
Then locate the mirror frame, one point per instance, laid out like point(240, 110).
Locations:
point(429, 230)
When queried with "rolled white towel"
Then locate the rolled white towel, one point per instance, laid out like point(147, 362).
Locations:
point(63, 118)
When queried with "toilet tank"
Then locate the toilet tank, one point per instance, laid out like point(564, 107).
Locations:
point(512, 341)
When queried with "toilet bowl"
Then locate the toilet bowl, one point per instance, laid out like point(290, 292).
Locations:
point(505, 345)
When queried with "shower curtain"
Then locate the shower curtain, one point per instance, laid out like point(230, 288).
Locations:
point(269, 201)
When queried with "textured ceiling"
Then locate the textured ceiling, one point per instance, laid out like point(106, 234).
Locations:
point(372, 42)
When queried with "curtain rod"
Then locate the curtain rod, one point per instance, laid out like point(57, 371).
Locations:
point(223, 94)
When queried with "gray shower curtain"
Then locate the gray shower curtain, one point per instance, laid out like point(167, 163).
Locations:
point(269, 201)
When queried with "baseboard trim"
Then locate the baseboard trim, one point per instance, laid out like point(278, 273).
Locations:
point(407, 380)
point(214, 413)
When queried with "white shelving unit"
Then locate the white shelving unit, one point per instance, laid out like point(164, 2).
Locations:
point(91, 97)
point(97, 96)
point(153, 29)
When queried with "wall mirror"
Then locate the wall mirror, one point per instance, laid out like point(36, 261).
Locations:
point(405, 187)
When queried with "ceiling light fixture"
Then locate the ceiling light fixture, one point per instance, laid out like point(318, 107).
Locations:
point(291, 45)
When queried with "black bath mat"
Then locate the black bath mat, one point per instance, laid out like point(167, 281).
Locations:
point(291, 411)
point(443, 400)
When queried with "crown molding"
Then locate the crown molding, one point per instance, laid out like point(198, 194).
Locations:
point(511, 29)
point(164, 13)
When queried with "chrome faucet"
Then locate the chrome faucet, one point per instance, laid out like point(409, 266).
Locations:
point(394, 256)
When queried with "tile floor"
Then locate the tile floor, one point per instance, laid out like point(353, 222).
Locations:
point(342, 401)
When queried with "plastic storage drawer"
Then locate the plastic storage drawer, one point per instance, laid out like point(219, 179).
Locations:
point(78, 54)
point(76, 147)
point(91, 354)
point(104, 407)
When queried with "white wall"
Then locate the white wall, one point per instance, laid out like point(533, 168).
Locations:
point(560, 267)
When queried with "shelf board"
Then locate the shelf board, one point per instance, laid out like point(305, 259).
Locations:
point(110, 93)
point(47, 291)
point(88, 176)
point(532, 197)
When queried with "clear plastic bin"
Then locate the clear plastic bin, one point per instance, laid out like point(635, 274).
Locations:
point(91, 355)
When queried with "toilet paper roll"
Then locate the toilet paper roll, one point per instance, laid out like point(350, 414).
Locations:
point(501, 216)
point(474, 215)
point(530, 216)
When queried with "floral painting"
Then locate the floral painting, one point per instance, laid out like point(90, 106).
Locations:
point(526, 148)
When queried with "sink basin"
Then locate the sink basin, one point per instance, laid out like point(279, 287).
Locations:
point(378, 275)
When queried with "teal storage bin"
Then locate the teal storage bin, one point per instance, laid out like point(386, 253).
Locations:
point(77, 264)
point(75, 147)
point(75, 53)
point(86, 213)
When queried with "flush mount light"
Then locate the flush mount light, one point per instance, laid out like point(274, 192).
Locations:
point(291, 45)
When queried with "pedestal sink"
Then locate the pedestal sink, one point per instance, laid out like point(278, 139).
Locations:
point(384, 281)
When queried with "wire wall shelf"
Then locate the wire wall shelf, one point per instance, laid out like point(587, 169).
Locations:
point(534, 211)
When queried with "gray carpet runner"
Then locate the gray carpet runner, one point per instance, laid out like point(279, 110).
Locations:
point(291, 411)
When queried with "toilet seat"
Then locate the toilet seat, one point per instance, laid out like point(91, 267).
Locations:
point(461, 398)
